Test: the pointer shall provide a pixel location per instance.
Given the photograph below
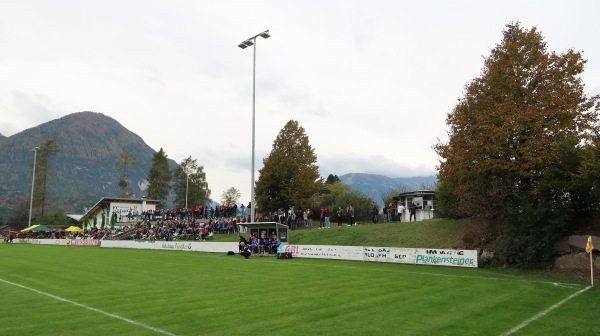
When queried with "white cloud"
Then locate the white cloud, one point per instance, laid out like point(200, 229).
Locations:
point(370, 81)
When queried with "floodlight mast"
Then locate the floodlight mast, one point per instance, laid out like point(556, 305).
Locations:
point(247, 43)
point(32, 183)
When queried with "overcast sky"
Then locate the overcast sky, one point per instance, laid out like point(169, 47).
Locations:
point(370, 81)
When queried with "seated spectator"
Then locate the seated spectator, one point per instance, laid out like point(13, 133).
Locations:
point(261, 245)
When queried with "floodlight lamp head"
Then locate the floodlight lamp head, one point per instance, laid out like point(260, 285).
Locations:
point(242, 45)
point(265, 34)
point(248, 43)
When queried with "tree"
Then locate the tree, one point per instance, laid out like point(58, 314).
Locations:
point(159, 178)
point(339, 195)
point(333, 191)
point(190, 187)
point(58, 217)
point(19, 215)
point(332, 179)
point(506, 135)
point(289, 175)
point(43, 172)
point(124, 164)
point(230, 196)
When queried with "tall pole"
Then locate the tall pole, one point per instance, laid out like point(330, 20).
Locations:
point(253, 208)
point(186, 189)
point(32, 183)
point(252, 42)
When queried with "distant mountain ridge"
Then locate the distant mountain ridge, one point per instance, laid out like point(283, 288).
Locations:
point(379, 186)
point(84, 168)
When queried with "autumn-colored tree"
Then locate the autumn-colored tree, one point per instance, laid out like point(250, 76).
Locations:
point(230, 196)
point(289, 175)
point(43, 172)
point(508, 132)
point(159, 178)
point(191, 188)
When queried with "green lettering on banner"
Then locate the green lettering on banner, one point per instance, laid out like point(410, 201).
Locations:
point(448, 260)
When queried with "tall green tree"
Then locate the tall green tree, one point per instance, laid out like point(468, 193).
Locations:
point(506, 135)
point(43, 173)
point(230, 196)
point(190, 184)
point(58, 217)
point(19, 214)
point(289, 175)
point(123, 170)
point(332, 179)
point(159, 178)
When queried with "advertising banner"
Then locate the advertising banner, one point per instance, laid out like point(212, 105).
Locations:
point(84, 242)
point(438, 257)
point(442, 257)
point(326, 251)
point(172, 245)
point(389, 254)
point(36, 241)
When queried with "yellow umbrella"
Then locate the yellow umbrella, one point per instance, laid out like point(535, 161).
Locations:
point(31, 227)
point(74, 229)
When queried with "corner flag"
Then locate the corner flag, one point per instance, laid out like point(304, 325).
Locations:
point(589, 247)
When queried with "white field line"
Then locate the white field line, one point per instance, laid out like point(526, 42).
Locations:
point(544, 312)
point(558, 284)
point(160, 331)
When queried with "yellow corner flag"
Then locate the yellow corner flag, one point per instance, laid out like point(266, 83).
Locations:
point(589, 247)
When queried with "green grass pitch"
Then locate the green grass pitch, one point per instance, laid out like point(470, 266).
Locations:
point(59, 290)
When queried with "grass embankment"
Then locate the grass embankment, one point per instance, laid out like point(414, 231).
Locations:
point(434, 233)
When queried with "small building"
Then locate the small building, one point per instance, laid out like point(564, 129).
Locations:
point(124, 211)
point(266, 229)
point(424, 200)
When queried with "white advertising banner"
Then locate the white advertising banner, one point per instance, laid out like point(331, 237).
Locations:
point(326, 251)
point(85, 242)
point(389, 254)
point(438, 257)
point(420, 256)
point(172, 245)
point(62, 242)
point(442, 257)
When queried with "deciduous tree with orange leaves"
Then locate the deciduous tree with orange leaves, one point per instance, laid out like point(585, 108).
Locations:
point(289, 175)
point(515, 125)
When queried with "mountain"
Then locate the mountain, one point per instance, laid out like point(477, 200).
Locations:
point(2, 136)
point(84, 168)
point(379, 186)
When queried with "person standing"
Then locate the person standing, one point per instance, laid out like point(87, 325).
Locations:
point(322, 219)
point(340, 214)
point(351, 213)
point(305, 216)
point(400, 211)
point(374, 212)
point(348, 216)
point(412, 208)
point(327, 222)
point(299, 215)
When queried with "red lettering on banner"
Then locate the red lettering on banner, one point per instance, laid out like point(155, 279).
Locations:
point(291, 249)
point(85, 242)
